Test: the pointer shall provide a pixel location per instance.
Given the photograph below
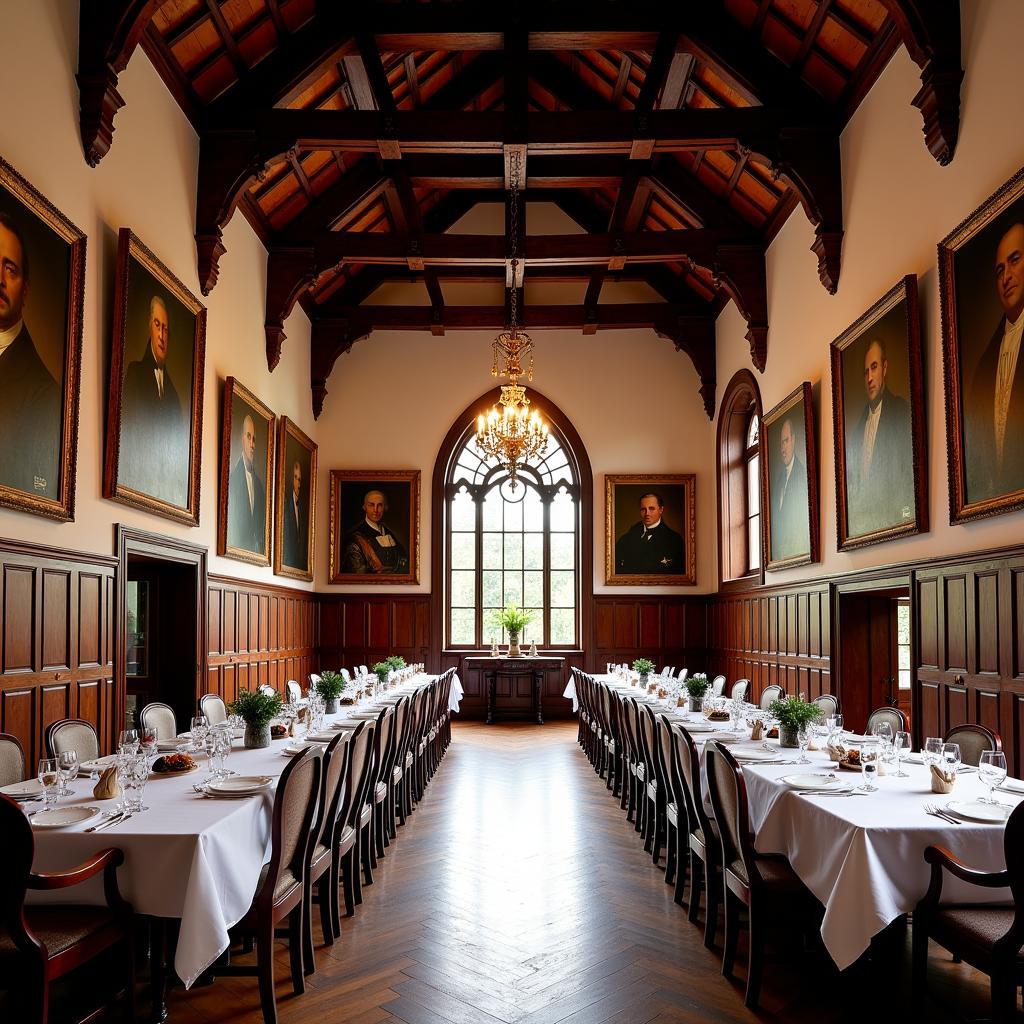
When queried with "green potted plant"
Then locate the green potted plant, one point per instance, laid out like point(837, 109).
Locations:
point(792, 714)
point(381, 670)
point(331, 686)
point(696, 686)
point(514, 620)
point(396, 661)
point(644, 668)
point(257, 710)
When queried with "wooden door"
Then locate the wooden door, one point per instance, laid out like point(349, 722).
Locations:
point(869, 655)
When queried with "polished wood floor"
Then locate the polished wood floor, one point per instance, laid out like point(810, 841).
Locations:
point(518, 893)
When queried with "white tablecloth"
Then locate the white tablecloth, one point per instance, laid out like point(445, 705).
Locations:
point(187, 857)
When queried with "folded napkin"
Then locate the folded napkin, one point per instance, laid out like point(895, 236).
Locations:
point(942, 781)
point(99, 764)
point(107, 788)
point(1012, 786)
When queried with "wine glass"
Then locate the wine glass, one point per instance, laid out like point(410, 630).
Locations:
point(769, 722)
point(992, 772)
point(903, 744)
point(128, 738)
point(869, 756)
point(835, 724)
point(199, 728)
point(950, 759)
point(49, 779)
point(803, 737)
point(883, 733)
point(67, 765)
point(932, 750)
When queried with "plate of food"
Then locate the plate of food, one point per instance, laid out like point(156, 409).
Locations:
point(62, 817)
point(174, 764)
point(278, 731)
point(718, 716)
point(850, 761)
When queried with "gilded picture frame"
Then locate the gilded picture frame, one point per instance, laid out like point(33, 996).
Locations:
point(294, 502)
point(375, 526)
point(155, 409)
point(878, 422)
point(44, 292)
point(981, 286)
point(790, 512)
point(248, 435)
point(637, 507)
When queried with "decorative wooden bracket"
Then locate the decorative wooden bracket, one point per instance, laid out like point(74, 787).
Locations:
point(740, 270)
point(695, 335)
point(330, 338)
point(931, 31)
point(289, 272)
point(108, 33)
point(810, 162)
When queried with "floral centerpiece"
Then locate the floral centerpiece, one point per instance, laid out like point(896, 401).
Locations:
point(696, 686)
point(643, 667)
point(514, 620)
point(793, 714)
point(331, 686)
point(257, 710)
point(381, 670)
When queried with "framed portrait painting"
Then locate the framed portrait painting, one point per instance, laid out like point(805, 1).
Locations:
point(294, 503)
point(650, 529)
point(42, 275)
point(981, 278)
point(155, 414)
point(246, 476)
point(789, 482)
point(375, 526)
point(878, 420)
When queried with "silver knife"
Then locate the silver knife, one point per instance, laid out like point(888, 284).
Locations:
point(108, 821)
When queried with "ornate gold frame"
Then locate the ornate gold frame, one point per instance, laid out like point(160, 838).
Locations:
point(63, 507)
point(232, 387)
point(689, 483)
point(286, 427)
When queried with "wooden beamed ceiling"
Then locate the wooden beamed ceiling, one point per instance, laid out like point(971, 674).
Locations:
point(353, 137)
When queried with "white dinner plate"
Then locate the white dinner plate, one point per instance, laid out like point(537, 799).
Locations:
point(294, 749)
point(240, 785)
point(62, 817)
point(815, 780)
point(755, 754)
point(27, 790)
point(698, 726)
point(99, 764)
point(975, 810)
point(166, 746)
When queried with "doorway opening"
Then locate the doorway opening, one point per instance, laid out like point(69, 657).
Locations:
point(161, 627)
point(874, 636)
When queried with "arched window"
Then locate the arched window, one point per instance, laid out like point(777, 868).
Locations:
point(739, 483)
point(523, 545)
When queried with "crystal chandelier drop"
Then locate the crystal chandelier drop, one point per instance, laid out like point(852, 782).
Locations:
point(513, 434)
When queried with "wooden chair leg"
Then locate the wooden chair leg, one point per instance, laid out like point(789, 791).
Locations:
point(265, 966)
point(670, 852)
point(682, 862)
point(348, 870)
point(919, 959)
point(365, 854)
point(296, 927)
point(755, 962)
point(1004, 996)
point(732, 927)
point(696, 885)
point(713, 888)
point(328, 900)
point(129, 992)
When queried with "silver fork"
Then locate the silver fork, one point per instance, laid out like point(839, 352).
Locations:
point(937, 812)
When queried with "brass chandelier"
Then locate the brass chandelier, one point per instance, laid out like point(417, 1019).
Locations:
point(513, 434)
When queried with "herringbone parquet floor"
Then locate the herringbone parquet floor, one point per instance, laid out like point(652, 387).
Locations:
point(519, 894)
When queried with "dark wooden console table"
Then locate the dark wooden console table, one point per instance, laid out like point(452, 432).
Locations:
point(515, 669)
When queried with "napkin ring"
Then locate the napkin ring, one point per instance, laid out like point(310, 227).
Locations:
point(942, 782)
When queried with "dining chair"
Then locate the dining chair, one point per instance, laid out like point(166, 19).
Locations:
point(974, 740)
point(717, 685)
point(829, 704)
point(683, 673)
point(41, 943)
point(655, 786)
point(212, 705)
point(353, 818)
point(675, 805)
point(346, 675)
point(636, 810)
point(703, 843)
point(363, 670)
point(896, 719)
point(396, 786)
point(158, 719)
point(293, 690)
point(12, 760)
point(332, 787)
point(266, 689)
point(73, 734)
point(739, 689)
point(989, 938)
point(314, 680)
point(281, 887)
point(765, 883)
point(669, 670)
point(770, 693)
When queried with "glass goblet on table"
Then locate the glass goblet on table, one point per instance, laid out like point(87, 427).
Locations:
point(902, 745)
point(49, 779)
point(992, 772)
point(870, 754)
point(67, 765)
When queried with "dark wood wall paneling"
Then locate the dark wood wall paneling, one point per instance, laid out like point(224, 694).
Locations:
point(57, 657)
point(258, 634)
point(774, 636)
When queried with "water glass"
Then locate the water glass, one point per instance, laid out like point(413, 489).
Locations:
point(869, 757)
point(883, 733)
point(136, 777)
point(902, 744)
point(932, 750)
point(834, 724)
point(992, 772)
point(49, 779)
point(67, 765)
point(950, 759)
point(128, 738)
point(803, 737)
point(200, 727)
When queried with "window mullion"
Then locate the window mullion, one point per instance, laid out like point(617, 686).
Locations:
point(478, 581)
point(546, 563)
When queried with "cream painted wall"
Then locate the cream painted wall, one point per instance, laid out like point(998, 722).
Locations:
point(898, 204)
point(146, 182)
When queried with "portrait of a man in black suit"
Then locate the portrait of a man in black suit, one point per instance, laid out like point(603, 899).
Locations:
point(879, 457)
point(155, 422)
point(994, 398)
point(30, 399)
point(295, 525)
point(247, 494)
point(790, 536)
point(650, 545)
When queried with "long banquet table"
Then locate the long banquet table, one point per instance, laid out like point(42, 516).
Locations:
point(862, 856)
point(188, 857)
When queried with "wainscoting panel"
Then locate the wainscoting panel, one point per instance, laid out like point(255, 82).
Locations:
point(258, 634)
point(361, 629)
point(57, 658)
